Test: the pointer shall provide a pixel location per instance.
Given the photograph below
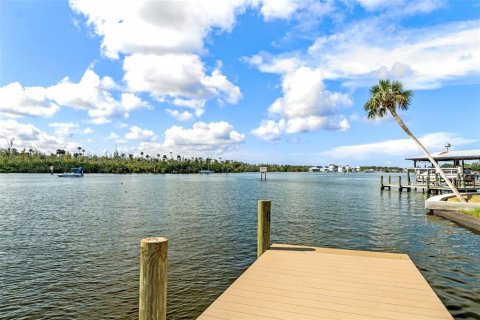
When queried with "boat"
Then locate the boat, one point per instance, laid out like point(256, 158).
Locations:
point(73, 173)
point(206, 171)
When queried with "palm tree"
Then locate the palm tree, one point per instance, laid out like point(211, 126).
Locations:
point(391, 96)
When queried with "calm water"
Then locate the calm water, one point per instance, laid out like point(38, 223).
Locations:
point(69, 248)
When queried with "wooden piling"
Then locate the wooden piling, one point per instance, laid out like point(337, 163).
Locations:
point(389, 180)
point(153, 279)
point(263, 233)
point(427, 190)
point(399, 183)
point(408, 177)
point(381, 182)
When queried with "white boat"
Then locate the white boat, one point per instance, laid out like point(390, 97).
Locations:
point(73, 173)
point(206, 171)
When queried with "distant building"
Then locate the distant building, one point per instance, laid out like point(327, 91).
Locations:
point(314, 169)
point(332, 168)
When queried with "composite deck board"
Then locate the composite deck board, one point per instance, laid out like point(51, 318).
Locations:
point(296, 282)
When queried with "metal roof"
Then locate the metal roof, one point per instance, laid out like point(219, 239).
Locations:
point(451, 155)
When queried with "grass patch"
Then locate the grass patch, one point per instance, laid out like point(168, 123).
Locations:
point(473, 212)
point(473, 198)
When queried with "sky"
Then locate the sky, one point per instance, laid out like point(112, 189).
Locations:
point(273, 81)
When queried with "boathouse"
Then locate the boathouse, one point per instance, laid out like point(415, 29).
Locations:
point(456, 171)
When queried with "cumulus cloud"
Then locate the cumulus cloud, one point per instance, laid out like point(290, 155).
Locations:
point(92, 94)
point(305, 105)
point(271, 130)
point(408, 55)
point(397, 147)
point(157, 27)
point(15, 101)
point(304, 95)
point(181, 116)
point(203, 139)
point(181, 78)
point(137, 133)
point(64, 129)
point(88, 131)
point(29, 136)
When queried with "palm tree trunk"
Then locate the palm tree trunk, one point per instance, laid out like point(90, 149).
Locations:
point(435, 164)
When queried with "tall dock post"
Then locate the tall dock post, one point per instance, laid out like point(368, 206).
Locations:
point(428, 184)
point(263, 233)
point(389, 180)
point(408, 177)
point(381, 182)
point(153, 279)
point(400, 183)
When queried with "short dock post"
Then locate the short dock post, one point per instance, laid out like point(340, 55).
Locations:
point(381, 182)
point(399, 183)
point(408, 178)
point(389, 180)
point(263, 233)
point(153, 279)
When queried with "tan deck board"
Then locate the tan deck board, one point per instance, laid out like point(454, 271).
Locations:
point(294, 282)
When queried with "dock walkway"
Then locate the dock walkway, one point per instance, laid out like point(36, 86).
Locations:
point(297, 282)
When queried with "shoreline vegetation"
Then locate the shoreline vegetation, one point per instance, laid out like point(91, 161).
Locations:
point(34, 161)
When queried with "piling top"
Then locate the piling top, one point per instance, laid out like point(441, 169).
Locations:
point(154, 240)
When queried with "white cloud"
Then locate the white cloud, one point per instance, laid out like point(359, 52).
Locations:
point(271, 130)
point(92, 94)
point(402, 6)
point(304, 95)
point(203, 136)
point(64, 129)
point(88, 131)
point(179, 77)
point(397, 147)
point(99, 121)
point(412, 56)
point(113, 136)
point(181, 116)
point(137, 133)
point(29, 136)
point(305, 105)
point(16, 100)
point(271, 9)
point(157, 27)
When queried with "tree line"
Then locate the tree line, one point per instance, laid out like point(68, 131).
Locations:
point(35, 161)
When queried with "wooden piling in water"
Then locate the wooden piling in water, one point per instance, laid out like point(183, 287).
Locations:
point(263, 233)
point(408, 178)
point(389, 180)
point(153, 279)
point(400, 183)
point(427, 190)
point(381, 182)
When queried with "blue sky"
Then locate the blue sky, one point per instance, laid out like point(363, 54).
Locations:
point(259, 81)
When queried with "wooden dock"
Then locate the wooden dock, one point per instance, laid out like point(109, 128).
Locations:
point(434, 187)
point(296, 282)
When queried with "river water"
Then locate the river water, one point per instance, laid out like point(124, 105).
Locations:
point(69, 248)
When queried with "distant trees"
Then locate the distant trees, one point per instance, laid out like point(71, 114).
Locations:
point(36, 161)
